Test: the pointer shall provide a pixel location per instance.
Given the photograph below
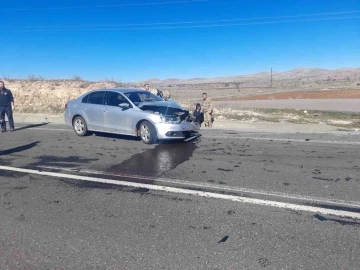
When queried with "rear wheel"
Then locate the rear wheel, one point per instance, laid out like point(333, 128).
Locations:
point(80, 126)
point(148, 132)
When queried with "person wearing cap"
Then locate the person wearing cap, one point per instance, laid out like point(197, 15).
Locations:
point(6, 107)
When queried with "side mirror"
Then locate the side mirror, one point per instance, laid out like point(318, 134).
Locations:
point(124, 105)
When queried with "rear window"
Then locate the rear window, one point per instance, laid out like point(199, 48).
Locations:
point(85, 99)
point(96, 97)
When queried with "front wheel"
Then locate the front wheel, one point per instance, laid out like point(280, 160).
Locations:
point(80, 126)
point(148, 132)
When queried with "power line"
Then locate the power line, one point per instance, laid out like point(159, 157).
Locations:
point(183, 27)
point(103, 6)
point(245, 24)
point(191, 22)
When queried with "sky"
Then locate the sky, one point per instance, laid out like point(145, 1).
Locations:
point(135, 40)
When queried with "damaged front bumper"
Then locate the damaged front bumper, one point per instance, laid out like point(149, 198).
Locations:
point(182, 130)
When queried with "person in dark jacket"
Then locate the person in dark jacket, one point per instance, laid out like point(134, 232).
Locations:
point(198, 114)
point(6, 107)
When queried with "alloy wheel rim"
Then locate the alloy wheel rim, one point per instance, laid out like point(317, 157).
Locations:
point(79, 126)
point(145, 133)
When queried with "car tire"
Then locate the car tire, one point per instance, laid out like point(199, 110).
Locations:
point(80, 126)
point(148, 132)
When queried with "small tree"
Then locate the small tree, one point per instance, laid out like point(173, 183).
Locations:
point(77, 78)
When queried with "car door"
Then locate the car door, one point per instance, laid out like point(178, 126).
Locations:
point(117, 119)
point(93, 110)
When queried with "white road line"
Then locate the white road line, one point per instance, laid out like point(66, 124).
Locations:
point(289, 206)
point(283, 140)
point(212, 186)
point(241, 137)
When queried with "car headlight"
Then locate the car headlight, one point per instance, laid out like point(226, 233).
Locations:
point(170, 119)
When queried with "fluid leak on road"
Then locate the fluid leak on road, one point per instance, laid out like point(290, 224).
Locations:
point(157, 161)
point(151, 164)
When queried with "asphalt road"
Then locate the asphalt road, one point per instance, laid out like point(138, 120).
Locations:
point(228, 200)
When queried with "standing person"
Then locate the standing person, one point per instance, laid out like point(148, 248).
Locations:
point(207, 109)
point(146, 86)
point(6, 107)
point(198, 114)
point(157, 92)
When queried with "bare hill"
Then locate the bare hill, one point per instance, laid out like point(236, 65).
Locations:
point(37, 95)
point(302, 74)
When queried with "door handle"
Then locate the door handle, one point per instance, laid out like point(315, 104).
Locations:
point(84, 109)
point(105, 111)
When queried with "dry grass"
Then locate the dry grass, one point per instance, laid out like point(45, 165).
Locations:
point(340, 119)
point(38, 95)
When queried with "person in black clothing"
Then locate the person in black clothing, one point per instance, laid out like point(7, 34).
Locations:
point(6, 107)
point(198, 114)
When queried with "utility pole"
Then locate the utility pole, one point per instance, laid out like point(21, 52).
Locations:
point(271, 79)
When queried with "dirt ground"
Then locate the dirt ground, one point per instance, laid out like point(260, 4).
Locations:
point(325, 94)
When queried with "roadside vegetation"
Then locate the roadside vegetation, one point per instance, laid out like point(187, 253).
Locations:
point(339, 119)
point(37, 95)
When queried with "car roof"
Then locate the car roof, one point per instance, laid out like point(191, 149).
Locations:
point(119, 90)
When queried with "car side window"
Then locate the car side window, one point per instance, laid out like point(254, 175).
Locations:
point(85, 99)
point(114, 99)
point(96, 97)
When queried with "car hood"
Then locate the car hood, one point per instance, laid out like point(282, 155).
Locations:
point(165, 108)
point(166, 104)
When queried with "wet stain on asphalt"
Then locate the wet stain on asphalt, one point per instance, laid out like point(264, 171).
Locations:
point(345, 223)
point(225, 170)
point(316, 172)
point(6, 162)
point(339, 221)
point(327, 179)
point(335, 207)
point(19, 188)
point(91, 185)
point(224, 239)
point(230, 212)
point(157, 161)
point(168, 197)
point(11, 174)
point(70, 161)
point(139, 190)
point(214, 150)
point(321, 218)
point(270, 170)
point(347, 179)
point(264, 262)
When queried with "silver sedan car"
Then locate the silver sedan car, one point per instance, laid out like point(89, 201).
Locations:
point(131, 112)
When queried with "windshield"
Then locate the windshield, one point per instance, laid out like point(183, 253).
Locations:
point(142, 96)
